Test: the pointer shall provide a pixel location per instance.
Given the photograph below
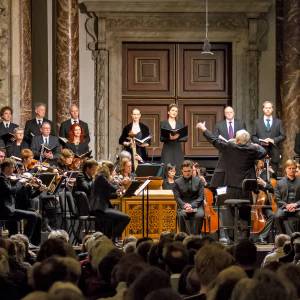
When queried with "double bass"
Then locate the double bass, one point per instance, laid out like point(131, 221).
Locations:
point(210, 223)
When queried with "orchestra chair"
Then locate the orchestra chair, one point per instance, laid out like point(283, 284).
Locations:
point(83, 216)
point(248, 185)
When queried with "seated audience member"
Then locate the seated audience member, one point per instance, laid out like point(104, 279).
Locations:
point(65, 126)
point(188, 283)
point(59, 234)
point(76, 141)
point(6, 125)
point(264, 285)
point(245, 254)
point(222, 287)
point(169, 181)
point(15, 147)
point(287, 194)
point(288, 249)
point(45, 146)
point(33, 126)
point(7, 204)
point(290, 273)
point(149, 280)
point(86, 177)
point(102, 191)
point(176, 257)
point(162, 294)
point(210, 260)
point(65, 290)
point(143, 249)
point(278, 252)
point(189, 194)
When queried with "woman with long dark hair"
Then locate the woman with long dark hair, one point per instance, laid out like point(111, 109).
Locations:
point(76, 141)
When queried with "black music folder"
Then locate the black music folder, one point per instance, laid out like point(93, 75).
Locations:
point(133, 187)
point(149, 170)
point(183, 132)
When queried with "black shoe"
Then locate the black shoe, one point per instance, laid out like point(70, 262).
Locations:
point(261, 241)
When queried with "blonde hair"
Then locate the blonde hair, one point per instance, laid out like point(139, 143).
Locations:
point(242, 137)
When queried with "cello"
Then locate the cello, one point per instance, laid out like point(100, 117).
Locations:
point(210, 222)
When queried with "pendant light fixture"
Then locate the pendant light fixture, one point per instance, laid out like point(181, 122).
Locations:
point(206, 49)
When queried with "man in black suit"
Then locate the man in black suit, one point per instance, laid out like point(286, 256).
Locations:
point(6, 126)
point(287, 195)
point(269, 132)
point(85, 178)
point(227, 129)
point(239, 156)
point(51, 149)
point(65, 126)
point(189, 194)
point(7, 203)
point(33, 126)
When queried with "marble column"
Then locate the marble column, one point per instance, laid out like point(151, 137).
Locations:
point(67, 57)
point(101, 102)
point(25, 62)
point(4, 52)
point(290, 84)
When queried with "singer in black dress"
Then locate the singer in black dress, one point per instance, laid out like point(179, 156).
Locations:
point(140, 130)
point(172, 150)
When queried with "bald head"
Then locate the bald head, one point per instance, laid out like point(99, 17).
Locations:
point(229, 113)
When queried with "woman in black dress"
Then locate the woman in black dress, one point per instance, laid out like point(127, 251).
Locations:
point(172, 151)
point(76, 141)
point(14, 148)
point(169, 181)
point(140, 131)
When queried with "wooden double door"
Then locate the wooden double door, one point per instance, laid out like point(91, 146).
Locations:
point(158, 74)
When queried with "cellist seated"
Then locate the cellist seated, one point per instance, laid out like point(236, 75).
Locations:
point(287, 194)
point(189, 194)
point(265, 190)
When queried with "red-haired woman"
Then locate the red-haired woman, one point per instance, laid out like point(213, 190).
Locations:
point(76, 141)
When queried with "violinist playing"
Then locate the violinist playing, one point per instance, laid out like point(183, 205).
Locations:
point(263, 175)
point(125, 175)
point(66, 161)
point(29, 163)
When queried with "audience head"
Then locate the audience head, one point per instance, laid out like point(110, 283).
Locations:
point(74, 111)
point(242, 137)
point(55, 246)
point(143, 249)
point(175, 256)
point(245, 253)
point(187, 169)
point(180, 236)
point(280, 239)
point(6, 113)
point(163, 294)
point(59, 234)
point(290, 273)
point(173, 111)
point(268, 108)
point(65, 291)
point(188, 283)
point(54, 269)
point(209, 261)
point(90, 167)
point(40, 110)
point(45, 129)
point(148, 281)
point(136, 115)
point(76, 132)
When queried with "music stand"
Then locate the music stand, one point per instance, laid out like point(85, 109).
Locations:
point(149, 170)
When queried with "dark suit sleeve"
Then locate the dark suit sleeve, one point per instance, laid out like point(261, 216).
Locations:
point(27, 135)
point(124, 135)
point(199, 201)
point(216, 130)
point(86, 132)
point(278, 195)
point(62, 130)
point(255, 137)
point(177, 195)
point(279, 138)
point(162, 138)
point(82, 184)
point(36, 147)
point(56, 151)
point(261, 152)
point(215, 141)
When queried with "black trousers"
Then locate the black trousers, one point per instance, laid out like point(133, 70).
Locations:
point(281, 216)
point(33, 224)
point(191, 223)
point(111, 222)
point(268, 213)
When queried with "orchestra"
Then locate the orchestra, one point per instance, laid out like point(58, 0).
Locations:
point(61, 165)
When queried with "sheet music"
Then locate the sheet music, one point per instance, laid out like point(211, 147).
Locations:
point(141, 188)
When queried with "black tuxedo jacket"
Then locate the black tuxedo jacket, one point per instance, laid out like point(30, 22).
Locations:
point(84, 184)
point(125, 134)
point(239, 159)
point(102, 192)
point(7, 199)
point(281, 191)
point(188, 191)
point(65, 126)
point(14, 150)
point(36, 146)
point(10, 129)
point(32, 127)
point(221, 129)
point(276, 132)
point(81, 149)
